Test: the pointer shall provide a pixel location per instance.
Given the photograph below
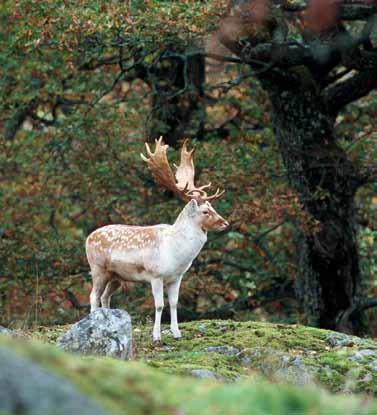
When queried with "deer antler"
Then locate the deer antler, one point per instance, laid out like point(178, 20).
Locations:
point(184, 187)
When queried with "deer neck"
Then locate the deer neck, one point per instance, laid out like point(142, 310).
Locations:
point(187, 234)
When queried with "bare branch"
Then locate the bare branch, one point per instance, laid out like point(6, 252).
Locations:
point(74, 301)
point(357, 11)
point(331, 79)
point(115, 82)
point(349, 9)
point(341, 94)
point(284, 54)
point(43, 120)
point(357, 308)
point(14, 123)
point(324, 52)
point(223, 58)
point(97, 63)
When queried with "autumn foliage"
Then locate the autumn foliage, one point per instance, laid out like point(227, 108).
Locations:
point(76, 87)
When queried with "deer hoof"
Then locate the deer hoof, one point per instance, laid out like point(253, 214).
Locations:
point(177, 334)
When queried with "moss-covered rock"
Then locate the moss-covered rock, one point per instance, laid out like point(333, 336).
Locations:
point(292, 353)
point(235, 350)
point(121, 387)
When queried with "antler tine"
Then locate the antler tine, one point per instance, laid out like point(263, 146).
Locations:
point(185, 172)
point(184, 185)
point(159, 166)
point(204, 186)
point(184, 148)
point(150, 152)
point(215, 196)
point(200, 190)
point(160, 144)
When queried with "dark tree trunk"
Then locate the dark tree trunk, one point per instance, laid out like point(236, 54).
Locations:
point(177, 99)
point(307, 86)
point(328, 279)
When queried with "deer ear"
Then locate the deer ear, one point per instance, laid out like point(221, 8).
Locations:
point(192, 207)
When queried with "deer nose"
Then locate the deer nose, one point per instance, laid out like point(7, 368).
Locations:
point(226, 225)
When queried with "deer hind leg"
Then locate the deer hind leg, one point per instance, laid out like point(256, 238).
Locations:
point(100, 278)
point(110, 289)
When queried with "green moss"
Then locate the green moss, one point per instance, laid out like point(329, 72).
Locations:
point(264, 348)
point(184, 362)
point(133, 387)
point(331, 378)
point(197, 335)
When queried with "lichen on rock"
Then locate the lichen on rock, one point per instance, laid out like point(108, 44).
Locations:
point(105, 332)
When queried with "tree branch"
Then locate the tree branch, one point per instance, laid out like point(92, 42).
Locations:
point(223, 58)
point(343, 93)
point(349, 9)
point(284, 54)
point(42, 120)
point(321, 52)
point(357, 308)
point(14, 123)
point(74, 301)
point(336, 77)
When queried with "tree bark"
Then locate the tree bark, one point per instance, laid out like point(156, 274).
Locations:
point(328, 278)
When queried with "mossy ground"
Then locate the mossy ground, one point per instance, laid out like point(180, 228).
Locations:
point(133, 387)
point(263, 347)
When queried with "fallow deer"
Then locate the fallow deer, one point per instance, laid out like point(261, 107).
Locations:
point(158, 254)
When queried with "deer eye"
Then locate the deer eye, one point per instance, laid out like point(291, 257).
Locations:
point(205, 212)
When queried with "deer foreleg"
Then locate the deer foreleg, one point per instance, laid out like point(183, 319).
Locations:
point(158, 294)
point(173, 293)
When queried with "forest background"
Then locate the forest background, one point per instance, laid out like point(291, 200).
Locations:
point(84, 84)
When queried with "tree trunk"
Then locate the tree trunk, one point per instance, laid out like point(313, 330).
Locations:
point(177, 110)
point(328, 278)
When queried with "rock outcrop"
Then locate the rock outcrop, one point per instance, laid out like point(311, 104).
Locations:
point(293, 354)
point(105, 332)
point(232, 351)
point(4, 330)
point(39, 379)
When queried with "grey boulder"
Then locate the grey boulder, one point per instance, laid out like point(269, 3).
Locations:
point(227, 350)
point(205, 374)
point(105, 332)
point(4, 330)
point(29, 389)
